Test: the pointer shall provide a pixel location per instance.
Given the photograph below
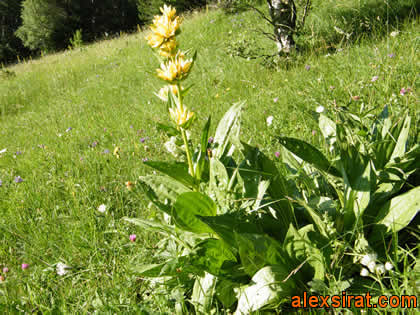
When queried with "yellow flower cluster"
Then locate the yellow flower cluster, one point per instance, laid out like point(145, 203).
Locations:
point(175, 67)
point(180, 115)
point(163, 31)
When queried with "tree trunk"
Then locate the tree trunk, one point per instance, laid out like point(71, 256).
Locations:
point(283, 16)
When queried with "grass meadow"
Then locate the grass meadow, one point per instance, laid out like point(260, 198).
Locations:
point(62, 115)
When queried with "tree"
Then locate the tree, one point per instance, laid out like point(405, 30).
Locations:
point(43, 22)
point(10, 45)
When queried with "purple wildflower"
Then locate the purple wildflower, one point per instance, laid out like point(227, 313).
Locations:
point(1, 182)
point(145, 159)
point(391, 55)
point(211, 140)
point(94, 144)
point(276, 100)
point(133, 237)
point(404, 91)
point(5, 270)
point(313, 132)
point(106, 151)
point(308, 67)
point(131, 126)
point(142, 140)
point(69, 129)
point(277, 154)
point(18, 179)
point(375, 78)
point(18, 152)
point(25, 266)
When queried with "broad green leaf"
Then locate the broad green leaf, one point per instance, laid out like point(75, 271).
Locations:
point(397, 213)
point(258, 250)
point(310, 154)
point(202, 159)
point(218, 175)
point(152, 226)
point(300, 244)
point(228, 127)
point(328, 128)
point(270, 285)
point(211, 254)
point(176, 170)
point(399, 149)
point(190, 204)
point(169, 130)
point(162, 190)
point(315, 217)
point(203, 293)
point(225, 292)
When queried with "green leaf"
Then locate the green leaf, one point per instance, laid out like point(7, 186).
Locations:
point(316, 218)
point(203, 293)
point(169, 130)
point(211, 254)
point(269, 286)
point(228, 127)
point(396, 214)
point(225, 292)
point(328, 128)
point(176, 170)
point(399, 149)
point(218, 175)
point(152, 226)
point(309, 154)
point(190, 204)
point(258, 250)
point(162, 190)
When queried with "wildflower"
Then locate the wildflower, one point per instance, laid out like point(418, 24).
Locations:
point(168, 11)
point(380, 269)
point(3, 151)
point(25, 266)
point(116, 152)
point(368, 258)
point(269, 120)
point(129, 185)
point(69, 129)
point(18, 179)
point(168, 48)
point(403, 91)
point(372, 266)
point(62, 269)
point(375, 78)
point(102, 208)
point(1, 183)
point(18, 153)
point(308, 67)
point(391, 55)
point(320, 109)
point(172, 147)
point(133, 237)
point(364, 272)
point(163, 92)
point(181, 116)
point(388, 266)
point(211, 140)
point(275, 100)
point(5, 270)
point(394, 33)
point(106, 151)
point(145, 159)
point(313, 132)
point(142, 140)
point(175, 69)
point(277, 154)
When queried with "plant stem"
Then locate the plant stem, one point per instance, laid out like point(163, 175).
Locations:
point(187, 149)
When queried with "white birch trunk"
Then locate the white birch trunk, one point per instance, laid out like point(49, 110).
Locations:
point(283, 16)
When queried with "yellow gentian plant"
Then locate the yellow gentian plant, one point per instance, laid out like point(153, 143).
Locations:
point(174, 68)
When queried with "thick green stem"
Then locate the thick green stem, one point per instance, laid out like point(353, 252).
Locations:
point(187, 149)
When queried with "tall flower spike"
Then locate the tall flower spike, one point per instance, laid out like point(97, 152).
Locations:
point(181, 116)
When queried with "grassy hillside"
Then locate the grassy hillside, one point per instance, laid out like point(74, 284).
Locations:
point(62, 116)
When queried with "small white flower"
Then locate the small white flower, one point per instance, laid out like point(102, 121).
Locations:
point(2, 151)
point(372, 266)
point(364, 272)
point(380, 269)
point(368, 258)
point(320, 109)
point(394, 33)
point(269, 120)
point(62, 269)
point(102, 208)
point(388, 266)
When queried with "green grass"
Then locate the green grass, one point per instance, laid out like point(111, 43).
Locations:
point(104, 92)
